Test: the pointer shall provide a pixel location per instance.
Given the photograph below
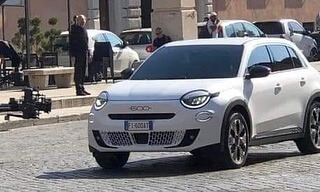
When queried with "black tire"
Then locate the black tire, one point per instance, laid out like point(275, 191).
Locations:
point(307, 144)
point(235, 152)
point(112, 160)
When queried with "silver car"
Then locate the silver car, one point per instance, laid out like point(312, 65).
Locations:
point(138, 40)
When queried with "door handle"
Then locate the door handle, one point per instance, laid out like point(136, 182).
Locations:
point(277, 89)
point(303, 82)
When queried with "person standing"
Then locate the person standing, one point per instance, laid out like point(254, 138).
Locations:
point(161, 39)
point(213, 25)
point(79, 49)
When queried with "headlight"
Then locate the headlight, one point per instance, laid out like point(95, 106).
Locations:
point(197, 99)
point(101, 101)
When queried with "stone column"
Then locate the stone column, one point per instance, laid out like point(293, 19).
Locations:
point(177, 18)
point(203, 7)
point(93, 14)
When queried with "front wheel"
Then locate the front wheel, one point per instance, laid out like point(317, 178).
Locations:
point(235, 141)
point(311, 141)
point(112, 160)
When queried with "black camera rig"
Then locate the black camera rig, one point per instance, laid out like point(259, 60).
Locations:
point(30, 105)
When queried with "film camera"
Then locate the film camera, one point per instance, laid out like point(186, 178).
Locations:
point(29, 106)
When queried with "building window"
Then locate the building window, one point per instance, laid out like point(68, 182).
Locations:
point(309, 26)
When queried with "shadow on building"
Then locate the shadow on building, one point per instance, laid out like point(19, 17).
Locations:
point(254, 4)
point(294, 4)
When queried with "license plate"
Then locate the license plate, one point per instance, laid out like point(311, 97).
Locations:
point(138, 125)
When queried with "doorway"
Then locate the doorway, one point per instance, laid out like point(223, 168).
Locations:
point(146, 9)
point(104, 14)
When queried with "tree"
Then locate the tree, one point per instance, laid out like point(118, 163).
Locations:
point(36, 36)
point(51, 35)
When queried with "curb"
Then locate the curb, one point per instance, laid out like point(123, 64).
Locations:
point(72, 102)
point(45, 121)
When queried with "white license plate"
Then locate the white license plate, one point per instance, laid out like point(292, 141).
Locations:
point(138, 125)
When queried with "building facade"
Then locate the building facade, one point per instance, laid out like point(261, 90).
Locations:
point(119, 15)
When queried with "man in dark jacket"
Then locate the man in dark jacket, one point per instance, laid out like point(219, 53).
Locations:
point(161, 39)
point(79, 49)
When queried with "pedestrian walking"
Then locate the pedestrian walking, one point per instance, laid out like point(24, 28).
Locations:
point(161, 39)
point(213, 25)
point(79, 49)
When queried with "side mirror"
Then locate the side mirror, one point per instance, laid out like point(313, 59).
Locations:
point(125, 44)
point(291, 33)
point(263, 35)
point(126, 73)
point(258, 71)
point(306, 33)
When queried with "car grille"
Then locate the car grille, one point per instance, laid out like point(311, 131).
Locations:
point(144, 116)
point(166, 138)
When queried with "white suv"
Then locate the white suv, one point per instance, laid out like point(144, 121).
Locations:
point(211, 97)
point(293, 31)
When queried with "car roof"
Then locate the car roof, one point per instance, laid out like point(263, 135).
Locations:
point(225, 22)
point(138, 30)
point(276, 20)
point(91, 32)
point(227, 41)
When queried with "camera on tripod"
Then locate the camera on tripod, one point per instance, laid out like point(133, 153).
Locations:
point(29, 106)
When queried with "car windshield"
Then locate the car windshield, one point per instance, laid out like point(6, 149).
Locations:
point(271, 28)
point(136, 38)
point(192, 62)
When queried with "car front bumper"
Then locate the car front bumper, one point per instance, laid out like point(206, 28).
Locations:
point(175, 128)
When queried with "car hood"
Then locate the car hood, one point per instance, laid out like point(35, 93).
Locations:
point(153, 90)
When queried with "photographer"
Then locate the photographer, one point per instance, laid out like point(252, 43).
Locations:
point(213, 25)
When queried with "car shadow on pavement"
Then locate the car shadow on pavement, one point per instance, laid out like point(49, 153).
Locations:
point(162, 167)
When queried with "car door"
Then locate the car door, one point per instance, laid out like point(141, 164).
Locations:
point(302, 83)
point(121, 54)
point(260, 93)
point(297, 37)
point(288, 107)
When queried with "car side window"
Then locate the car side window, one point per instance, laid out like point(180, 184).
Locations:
point(260, 56)
point(99, 38)
point(296, 60)
point(239, 29)
point(230, 31)
point(144, 39)
point(114, 40)
point(281, 58)
point(295, 27)
point(251, 30)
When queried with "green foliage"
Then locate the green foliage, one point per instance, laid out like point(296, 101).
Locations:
point(53, 21)
point(39, 41)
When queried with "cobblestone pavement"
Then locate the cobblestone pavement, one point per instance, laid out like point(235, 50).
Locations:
point(56, 158)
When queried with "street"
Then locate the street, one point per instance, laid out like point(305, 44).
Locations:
point(56, 158)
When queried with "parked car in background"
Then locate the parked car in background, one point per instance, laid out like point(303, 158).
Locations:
point(123, 57)
point(233, 28)
point(138, 40)
point(293, 31)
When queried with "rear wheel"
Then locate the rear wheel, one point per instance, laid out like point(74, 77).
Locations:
point(311, 141)
point(112, 160)
point(236, 141)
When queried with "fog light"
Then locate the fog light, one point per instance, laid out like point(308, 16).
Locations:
point(204, 116)
point(91, 118)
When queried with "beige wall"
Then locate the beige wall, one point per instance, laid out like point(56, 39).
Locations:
point(44, 9)
point(253, 10)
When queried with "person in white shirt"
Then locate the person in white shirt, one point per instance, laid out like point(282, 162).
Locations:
point(213, 25)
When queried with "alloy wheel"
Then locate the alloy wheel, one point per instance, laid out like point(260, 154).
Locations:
point(315, 126)
point(237, 141)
